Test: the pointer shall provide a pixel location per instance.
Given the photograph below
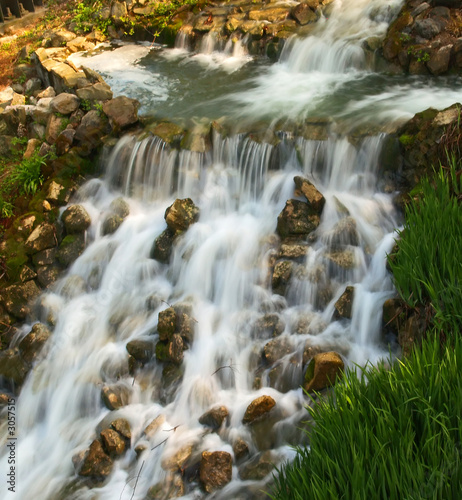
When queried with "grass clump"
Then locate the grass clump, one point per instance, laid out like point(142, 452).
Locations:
point(427, 268)
point(387, 434)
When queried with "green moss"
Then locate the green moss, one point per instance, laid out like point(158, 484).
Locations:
point(407, 140)
point(162, 352)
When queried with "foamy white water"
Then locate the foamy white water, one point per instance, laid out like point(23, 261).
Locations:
point(220, 268)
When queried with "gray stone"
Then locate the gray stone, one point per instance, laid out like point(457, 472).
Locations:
point(96, 92)
point(427, 28)
point(122, 111)
point(76, 219)
point(65, 103)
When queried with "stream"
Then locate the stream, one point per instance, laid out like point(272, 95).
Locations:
point(220, 268)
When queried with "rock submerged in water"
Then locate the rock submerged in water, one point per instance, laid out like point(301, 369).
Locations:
point(323, 371)
point(214, 418)
point(344, 305)
point(96, 465)
point(76, 219)
point(297, 219)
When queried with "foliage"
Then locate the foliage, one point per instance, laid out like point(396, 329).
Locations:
point(427, 268)
point(389, 433)
point(27, 176)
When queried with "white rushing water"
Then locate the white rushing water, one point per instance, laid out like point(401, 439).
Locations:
point(220, 268)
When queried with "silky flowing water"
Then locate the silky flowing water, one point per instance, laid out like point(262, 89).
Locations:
point(221, 266)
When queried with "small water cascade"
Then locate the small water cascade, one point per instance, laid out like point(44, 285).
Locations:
point(244, 340)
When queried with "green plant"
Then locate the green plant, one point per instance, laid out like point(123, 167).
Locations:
point(427, 268)
point(389, 433)
point(6, 208)
point(27, 175)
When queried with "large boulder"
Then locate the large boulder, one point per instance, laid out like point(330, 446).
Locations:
point(215, 470)
point(323, 371)
point(121, 111)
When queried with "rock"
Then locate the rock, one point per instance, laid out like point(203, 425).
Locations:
point(258, 409)
point(240, 449)
point(118, 11)
point(175, 349)
point(344, 233)
point(47, 275)
point(276, 349)
point(272, 14)
point(345, 259)
point(322, 371)
point(303, 14)
point(32, 343)
point(111, 224)
point(176, 460)
point(439, 60)
point(314, 198)
point(181, 214)
point(391, 313)
point(97, 92)
point(55, 125)
point(64, 141)
point(96, 464)
point(281, 276)
point(163, 245)
point(122, 426)
point(57, 194)
point(171, 487)
point(166, 325)
point(154, 426)
point(293, 251)
point(17, 298)
point(297, 219)
point(113, 443)
point(269, 325)
point(71, 248)
point(76, 219)
point(9, 97)
point(92, 76)
point(121, 111)
point(32, 85)
point(91, 129)
point(120, 207)
point(258, 468)
point(115, 396)
point(12, 366)
point(141, 350)
point(80, 44)
point(427, 28)
point(27, 274)
point(61, 37)
point(344, 304)
point(411, 333)
point(65, 103)
point(215, 470)
point(215, 417)
point(32, 146)
point(41, 238)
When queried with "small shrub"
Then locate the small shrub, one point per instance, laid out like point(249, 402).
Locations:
point(27, 175)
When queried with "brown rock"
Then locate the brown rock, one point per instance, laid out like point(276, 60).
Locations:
point(215, 417)
point(17, 298)
point(166, 325)
point(115, 396)
point(344, 304)
point(121, 111)
point(96, 464)
point(65, 103)
point(297, 219)
point(113, 444)
point(111, 224)
point(240, 449)
point(32, 343)
point(215, 470)
point(58, 194)
point(258, 408)
point(314, 198)
point(181, 214)
point(281, 276)
point(91, 129)
point(122, 426)
point(322, 371)
point(12, 366)
point(141, 350)
point(98, 92)
point(76, 219)
point(269, 325)
point(70, 249)
point(303, 14)
point(439, 60)
point(55, 125)
point(162, 247)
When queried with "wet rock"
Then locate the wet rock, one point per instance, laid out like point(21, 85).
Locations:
point(181, 214)
point(12, 366)
point(113, 443)
point(345, 259)
point(41, 238)
point(172, 487)
point(111, 224)
point(73, 286)
point(31, 345)
point(121, 111)
point(65, 103)
point(258, 468)
point(71, 248)
point(215, 470)
point(120, 207)
point(122, 426)
point(115, 396)
point(276, 349)
point(322, 371)
point(314, 198)
point(58, 194)
point(141, 350)
point(269, 325)
point(96, 465)
point(17, 298)
point(344, 304)
point(303, 14)
point(154, 426)
point(344, 233)
point(162, 248)
point(166, 325)
point(177, 460)
point(258, 409)
point(175, 349)
point(76, 219)
point(240, 449)
point(281, 276)
point(215, 417)
point(98, 92)
point(297, 219)
point(47, 275)
point(293, 251)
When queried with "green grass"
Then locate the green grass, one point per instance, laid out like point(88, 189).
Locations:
point(387, 434)
point(427, 268)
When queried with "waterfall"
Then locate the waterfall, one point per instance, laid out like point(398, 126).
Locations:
point(220, 273)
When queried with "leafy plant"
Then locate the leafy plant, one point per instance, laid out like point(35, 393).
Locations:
point(27, 175)
point(387, 433)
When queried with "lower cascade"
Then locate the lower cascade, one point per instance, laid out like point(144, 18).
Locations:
point(217, 285)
